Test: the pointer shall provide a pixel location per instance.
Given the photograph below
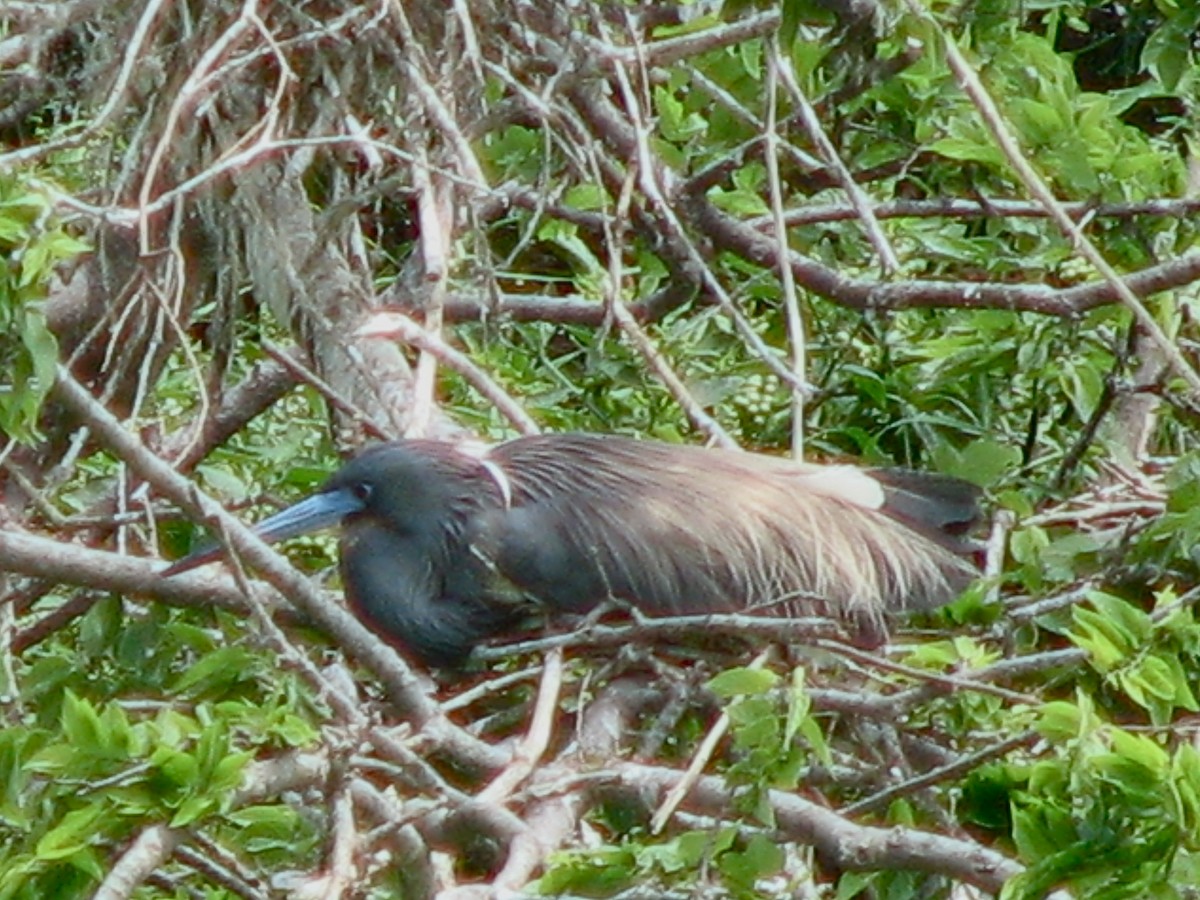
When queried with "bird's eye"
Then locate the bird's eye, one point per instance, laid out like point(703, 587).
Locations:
point(362, 491)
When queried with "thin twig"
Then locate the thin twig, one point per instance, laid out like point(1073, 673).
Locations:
point(536, 739)
point(699, 761)
point(400, 327)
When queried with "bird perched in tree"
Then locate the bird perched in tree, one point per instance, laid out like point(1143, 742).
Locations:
point(442, 547)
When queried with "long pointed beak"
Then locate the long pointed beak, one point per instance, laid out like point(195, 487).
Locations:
point(316, 512)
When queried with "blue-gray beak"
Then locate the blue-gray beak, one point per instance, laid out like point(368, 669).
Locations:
point(319, 511)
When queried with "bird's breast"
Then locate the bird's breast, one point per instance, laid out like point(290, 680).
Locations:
point(434, 601)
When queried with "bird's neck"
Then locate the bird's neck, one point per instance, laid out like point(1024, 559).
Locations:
point(429, 598)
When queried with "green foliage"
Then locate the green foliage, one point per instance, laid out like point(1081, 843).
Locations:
point(1106, 813)
point(1145, 656)
point(137, 715)
point(89, 766)
point(108, 775)
point(774, 733)
point(1170, 542)
point(31, 245)
point(735, 864)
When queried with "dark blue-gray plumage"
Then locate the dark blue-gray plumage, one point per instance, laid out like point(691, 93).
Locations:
point(442, 547)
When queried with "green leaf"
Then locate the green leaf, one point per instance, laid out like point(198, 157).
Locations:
point(81, 723)
point(852, 885)
point(176, 769)
point(967, 150)
point(689, 851)
point(586, 196)
point(936, 655)
point(799, 705)
point(743, 681)
point(1156, 676)
point(1168, 53)
point(219, 670)
point(983, 461)
point(1110, 632)
point(1060, 721)
point(192, 809)
point(74, 832)
point(99, 626)
point(1140, 750)
point(1106, 644)
point(1185, 782)
point(1083, 383)
point(739, 202)
point(599, 872)
point(762, 857)
point(265, 828)
point(1123, 614)
point(227, 774)
point(1184, 698)
point(1039, 122)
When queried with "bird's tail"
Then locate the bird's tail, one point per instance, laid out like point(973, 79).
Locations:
point(943, 508)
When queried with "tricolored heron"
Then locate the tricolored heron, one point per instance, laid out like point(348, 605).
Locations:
point(442, 547)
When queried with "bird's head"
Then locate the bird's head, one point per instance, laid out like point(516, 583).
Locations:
point(421, 489)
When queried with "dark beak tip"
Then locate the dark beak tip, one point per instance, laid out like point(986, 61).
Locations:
point(175, 568)
point(189, 562)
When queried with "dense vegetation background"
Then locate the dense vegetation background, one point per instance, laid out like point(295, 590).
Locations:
point(954, 236)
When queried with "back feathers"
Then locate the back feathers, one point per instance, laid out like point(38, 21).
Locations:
point(679, 530)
